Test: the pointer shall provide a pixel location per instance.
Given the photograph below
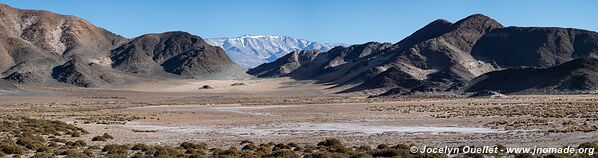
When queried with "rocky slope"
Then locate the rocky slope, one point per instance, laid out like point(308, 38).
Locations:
point(178, 53)
point(535, 46)
point(284, 65)
point(576, 75)
point(444, 57)
point(43, 47)
point(86, 74)
point(342, 64)
point(33, 42)
point(250, 51)
point(439, 53)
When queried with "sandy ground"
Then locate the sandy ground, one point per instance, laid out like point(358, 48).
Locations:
point(309, 123)
point(257, 87)
point(154, 91)
point(283, 110)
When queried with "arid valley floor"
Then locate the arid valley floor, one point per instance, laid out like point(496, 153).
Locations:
point(283, 110)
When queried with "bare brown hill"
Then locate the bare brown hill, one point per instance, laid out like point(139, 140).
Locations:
point(44, 47)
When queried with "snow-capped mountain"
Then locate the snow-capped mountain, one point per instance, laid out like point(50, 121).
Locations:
point(252, 50)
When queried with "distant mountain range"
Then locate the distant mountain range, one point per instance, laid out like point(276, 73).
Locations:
point(252, 50)
point(473, 54)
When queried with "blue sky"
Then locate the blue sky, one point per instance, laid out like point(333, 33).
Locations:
point(343, 21)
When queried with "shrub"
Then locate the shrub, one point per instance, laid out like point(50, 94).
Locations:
point(141, 147)
point(107, 136)
point(138, 155)
point(78, 143)
point(116, 155)
point(281, 146)
point(246, 142)
point(166, 152)
point(285, 154)
point(325, 154)
point(292, 144)
point(361, 155)
point(43, 149)
point(309, 148)
point(386, 152)
point(364, 148)
point(116, 149)
point(88, 152)
point(75, 154)
point(60, 152)
point(382, 146)
point(202, 146)
point(232, 151)
point(75, 134)
point(249, 155)
point(99, 138)
point(330, 143)
point(42, 155)
point(52, 144)
point(588, 145)
point(263, 150)
point(30, 141)
point(103, 137)
point(12, 149)
point(298, 148)
point(195, 152)
point(58, 140)
point(30, 144)
point(188, 145)
point(201, 156)
point(319, 154)
point(250, 147)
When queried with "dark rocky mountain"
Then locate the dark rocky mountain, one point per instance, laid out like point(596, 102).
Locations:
point(443, 57)
point(44, 47)
point(393, 77)
point(178, 53)
point(438, 55)
point(343, 64)
point(439, 52)
point(86, 74)
point(576, 75)
point(535, 46)
point(284, 65)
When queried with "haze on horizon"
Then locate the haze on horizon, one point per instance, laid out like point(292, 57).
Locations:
point(335, 21)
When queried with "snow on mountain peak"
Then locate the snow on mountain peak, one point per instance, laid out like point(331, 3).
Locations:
point(252, 50)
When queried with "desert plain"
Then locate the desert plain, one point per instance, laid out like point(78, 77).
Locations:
point(283, 110)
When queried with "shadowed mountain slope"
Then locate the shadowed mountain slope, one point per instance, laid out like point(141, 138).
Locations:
point(178, 53)
point(444, 56)
point(285, 64)
point(576, 75)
